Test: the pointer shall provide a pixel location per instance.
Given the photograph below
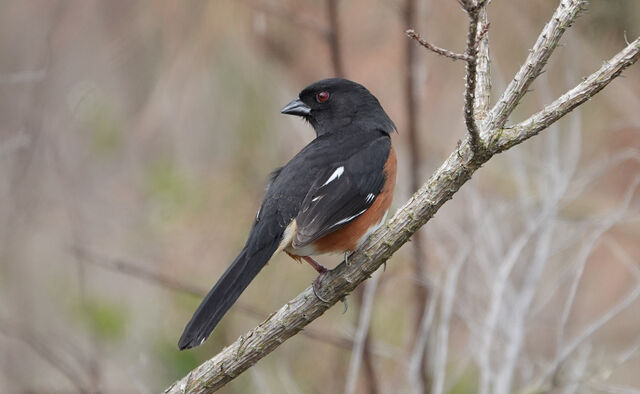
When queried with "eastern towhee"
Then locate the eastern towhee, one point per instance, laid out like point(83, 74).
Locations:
point(327, 199)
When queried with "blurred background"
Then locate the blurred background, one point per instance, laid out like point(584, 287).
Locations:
point(135, 140)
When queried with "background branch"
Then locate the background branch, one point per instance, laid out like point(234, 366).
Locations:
point(137, 270)
point(419, 260)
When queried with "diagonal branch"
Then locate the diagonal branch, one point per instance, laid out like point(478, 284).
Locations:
point(502, 139)
point(546, 43)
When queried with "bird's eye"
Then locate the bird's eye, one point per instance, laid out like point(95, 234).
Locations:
point(322, 97)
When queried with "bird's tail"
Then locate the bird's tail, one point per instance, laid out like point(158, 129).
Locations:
point(226, 291)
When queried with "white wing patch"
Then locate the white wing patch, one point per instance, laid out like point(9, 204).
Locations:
point(348, 219)
point(369, 198)
point(336, 174)
point(317, 198)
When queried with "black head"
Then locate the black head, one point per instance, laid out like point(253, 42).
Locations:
point(331, 104)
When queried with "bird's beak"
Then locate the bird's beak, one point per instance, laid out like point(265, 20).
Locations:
point(296, 107)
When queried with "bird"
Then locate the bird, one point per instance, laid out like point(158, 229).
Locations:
point(327, 199)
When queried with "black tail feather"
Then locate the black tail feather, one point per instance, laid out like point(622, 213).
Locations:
point(226, 291)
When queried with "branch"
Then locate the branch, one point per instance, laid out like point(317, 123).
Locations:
point(470, 76)
point(440, 51)
point(483, 77)
point(503, 139)
point(380, 246)
point(546, 43)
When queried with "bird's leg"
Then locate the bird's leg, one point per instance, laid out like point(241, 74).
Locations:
point(346, 256)
point(316, 266)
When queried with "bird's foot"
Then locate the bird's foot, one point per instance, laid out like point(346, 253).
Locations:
point(346, 256)
point(316, 283)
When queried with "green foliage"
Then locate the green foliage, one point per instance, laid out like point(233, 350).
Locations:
point(107, 320)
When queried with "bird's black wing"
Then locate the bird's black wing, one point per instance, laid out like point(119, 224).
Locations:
point(342, 192)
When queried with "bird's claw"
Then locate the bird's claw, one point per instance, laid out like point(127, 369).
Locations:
point(314, 285)
point(346, 304)
point(346, 257)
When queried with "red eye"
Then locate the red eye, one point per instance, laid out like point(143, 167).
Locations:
point(322, 97)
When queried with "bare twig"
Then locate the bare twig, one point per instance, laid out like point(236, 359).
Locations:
point(440, 51)
point(378, 248)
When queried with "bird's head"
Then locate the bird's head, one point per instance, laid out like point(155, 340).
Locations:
point(331, 104)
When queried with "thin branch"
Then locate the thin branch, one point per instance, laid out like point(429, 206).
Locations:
point(505, 138)
point(446, 313)
point(416, 360)
point(140, 272)
point(378, 248)
point(546, 43)
point(361, 333)
point(440, 51)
